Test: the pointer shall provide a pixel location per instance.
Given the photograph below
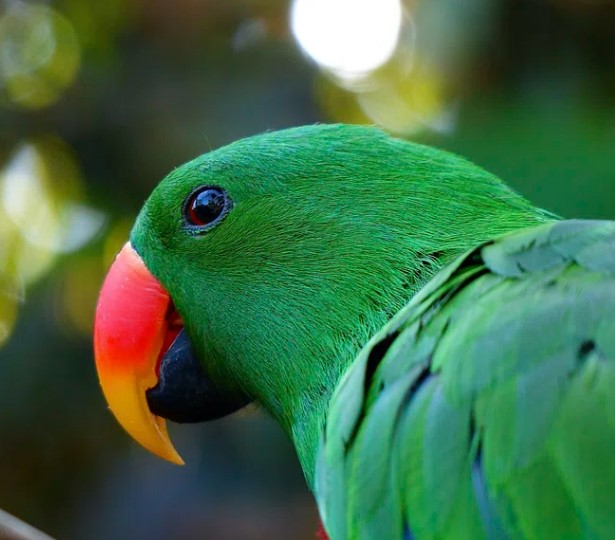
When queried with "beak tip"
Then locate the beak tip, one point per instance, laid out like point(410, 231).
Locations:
point(177, 460)
point(163, 447)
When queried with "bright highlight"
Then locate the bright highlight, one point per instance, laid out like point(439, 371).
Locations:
point(348, 37)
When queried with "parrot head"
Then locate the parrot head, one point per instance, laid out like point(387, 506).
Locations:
point(256, 272)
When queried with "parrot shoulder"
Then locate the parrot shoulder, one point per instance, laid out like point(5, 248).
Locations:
point(485, 408)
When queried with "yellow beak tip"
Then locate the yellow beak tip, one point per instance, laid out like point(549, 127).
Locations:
point(129, 406)
point(176, 459)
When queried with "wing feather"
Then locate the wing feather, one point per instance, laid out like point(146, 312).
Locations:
point(486, 407)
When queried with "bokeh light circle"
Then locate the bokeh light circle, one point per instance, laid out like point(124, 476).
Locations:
point(39, 54)
point(347, 37)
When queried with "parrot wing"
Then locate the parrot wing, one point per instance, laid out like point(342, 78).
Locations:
point(486, 407)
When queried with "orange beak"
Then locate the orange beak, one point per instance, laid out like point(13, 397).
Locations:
point(131, 330)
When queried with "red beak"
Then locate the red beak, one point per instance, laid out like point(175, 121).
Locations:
point(134, 323)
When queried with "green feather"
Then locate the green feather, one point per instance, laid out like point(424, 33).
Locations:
point(510, 429)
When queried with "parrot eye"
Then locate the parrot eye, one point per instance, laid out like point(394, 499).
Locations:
point(206, 206)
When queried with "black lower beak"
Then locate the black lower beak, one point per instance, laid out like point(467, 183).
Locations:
point(184, 393)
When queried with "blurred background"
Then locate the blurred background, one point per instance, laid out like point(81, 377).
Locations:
point(98, 100)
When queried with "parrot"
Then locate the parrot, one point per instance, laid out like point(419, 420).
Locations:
point(440, 351)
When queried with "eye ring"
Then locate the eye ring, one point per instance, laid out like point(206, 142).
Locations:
point(205, 207)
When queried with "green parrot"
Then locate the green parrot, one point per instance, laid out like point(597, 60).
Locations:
point(440, 351)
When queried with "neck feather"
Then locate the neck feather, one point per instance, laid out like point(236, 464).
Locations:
point(300, 401)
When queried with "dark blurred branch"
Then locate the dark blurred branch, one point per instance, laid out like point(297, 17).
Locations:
point(12, 528)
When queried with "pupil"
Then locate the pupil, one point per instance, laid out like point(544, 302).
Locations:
point(207, 206)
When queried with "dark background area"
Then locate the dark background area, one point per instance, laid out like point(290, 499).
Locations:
point(99, 100)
